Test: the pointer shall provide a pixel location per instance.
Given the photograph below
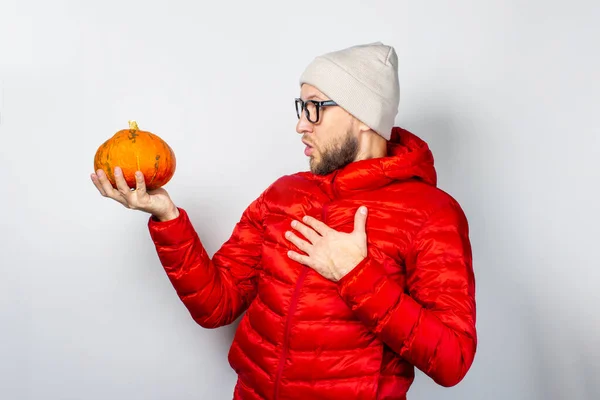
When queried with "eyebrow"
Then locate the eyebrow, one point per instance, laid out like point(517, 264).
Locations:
point(314, 96)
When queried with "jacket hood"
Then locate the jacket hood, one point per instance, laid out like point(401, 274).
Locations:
point(408, 158)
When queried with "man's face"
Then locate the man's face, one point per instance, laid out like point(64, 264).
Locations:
point(331, 142)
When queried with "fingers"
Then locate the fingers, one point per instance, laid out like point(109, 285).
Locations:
point(301, 244)
point(308, 233)
point(360, 220)
point(105, 187)
point(140, 183)
point(305, 260)
point(317, 225)
point(105, 184)
point(135, 199)
point(98, 185)
point(120, 181)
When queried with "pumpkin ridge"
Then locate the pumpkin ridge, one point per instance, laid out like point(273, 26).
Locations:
point(155, 168)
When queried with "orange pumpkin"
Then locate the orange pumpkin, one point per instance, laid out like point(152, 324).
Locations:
point(135, 150)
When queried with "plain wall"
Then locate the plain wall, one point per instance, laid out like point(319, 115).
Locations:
point(505, 92)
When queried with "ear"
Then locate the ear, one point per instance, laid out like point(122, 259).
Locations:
point(362, 128)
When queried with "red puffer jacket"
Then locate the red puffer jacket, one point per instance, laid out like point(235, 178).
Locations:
point(410, 303)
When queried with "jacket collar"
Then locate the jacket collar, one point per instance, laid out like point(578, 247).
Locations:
point(408, 158)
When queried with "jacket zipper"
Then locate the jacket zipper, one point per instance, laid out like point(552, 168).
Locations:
point(288, 328)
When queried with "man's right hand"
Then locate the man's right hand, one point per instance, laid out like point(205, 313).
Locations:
point(156, 202)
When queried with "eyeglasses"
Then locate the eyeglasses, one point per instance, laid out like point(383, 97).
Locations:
point(311, 108)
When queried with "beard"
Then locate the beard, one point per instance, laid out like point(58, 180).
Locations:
point(336, 156)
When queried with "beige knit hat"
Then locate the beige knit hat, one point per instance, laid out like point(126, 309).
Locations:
point(363, 80)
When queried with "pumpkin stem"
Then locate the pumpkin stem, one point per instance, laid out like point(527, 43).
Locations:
point(133, 126)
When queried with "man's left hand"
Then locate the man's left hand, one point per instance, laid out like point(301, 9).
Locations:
point(331, 253)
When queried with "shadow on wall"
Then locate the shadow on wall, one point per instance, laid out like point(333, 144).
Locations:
point(452, 141)
point(210, 226)
point(566, 362)
point(458, 162)
point(441, 132)
point(531, 344)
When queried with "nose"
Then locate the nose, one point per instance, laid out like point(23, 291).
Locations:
point(304, 125)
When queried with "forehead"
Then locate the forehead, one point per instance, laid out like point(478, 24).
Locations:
point(308, 92)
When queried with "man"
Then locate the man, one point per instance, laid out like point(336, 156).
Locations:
point(352, 274)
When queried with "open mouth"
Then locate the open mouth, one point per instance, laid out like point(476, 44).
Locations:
point(308, 150)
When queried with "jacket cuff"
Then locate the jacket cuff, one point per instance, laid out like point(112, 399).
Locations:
point(373, 296)
point(173, 232)
point(361, 278)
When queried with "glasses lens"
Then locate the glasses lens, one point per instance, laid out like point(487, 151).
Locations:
point(312, 111)
point(298, 108)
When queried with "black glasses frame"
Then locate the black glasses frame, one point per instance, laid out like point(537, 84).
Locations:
point(301, 106)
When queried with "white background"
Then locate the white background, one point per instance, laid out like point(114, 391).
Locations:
point(505, 92)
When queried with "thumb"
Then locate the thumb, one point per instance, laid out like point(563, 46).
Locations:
point(360, 220)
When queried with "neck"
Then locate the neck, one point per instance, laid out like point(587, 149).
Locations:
point(371, 145)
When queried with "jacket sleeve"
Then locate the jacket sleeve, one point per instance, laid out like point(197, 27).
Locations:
point(215, 291)
point(432, 323)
